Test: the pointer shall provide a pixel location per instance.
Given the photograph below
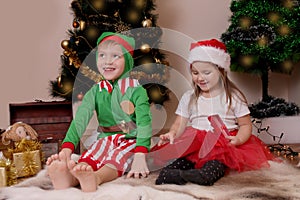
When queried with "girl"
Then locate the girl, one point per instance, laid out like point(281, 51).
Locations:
point(204, 152)
point(124, 117)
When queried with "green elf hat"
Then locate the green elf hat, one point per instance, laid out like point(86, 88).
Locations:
point(127, 44)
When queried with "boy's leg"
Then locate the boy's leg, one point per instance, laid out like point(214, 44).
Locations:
point(97, 156)
point(90, 179)
point(60, 175)
point(107, 173)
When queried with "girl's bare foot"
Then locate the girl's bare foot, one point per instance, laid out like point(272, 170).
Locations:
point(60, 175)
point(85, 174)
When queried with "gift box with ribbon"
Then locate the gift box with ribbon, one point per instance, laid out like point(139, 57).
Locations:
point(27, 163)
point(27, 157)
point(8, 175)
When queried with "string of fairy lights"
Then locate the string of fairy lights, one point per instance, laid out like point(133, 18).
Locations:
point(278, 148)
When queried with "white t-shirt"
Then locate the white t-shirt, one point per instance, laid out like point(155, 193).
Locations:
point(197, 115)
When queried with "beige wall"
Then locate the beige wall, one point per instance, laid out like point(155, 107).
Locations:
point(33, 29)
point(30, 39)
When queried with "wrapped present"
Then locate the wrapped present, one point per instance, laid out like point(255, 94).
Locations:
point(8, 175)
point(27, 163)
point(3, 178)
point(27, 157)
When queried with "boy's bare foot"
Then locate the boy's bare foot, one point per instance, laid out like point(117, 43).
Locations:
point(85, 174)
point(60, 175)
point(51, 158)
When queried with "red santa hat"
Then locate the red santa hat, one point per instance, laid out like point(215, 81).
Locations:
point(212, 51)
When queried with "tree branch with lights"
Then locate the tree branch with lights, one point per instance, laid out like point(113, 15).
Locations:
point(264, 37)
point(91, 19)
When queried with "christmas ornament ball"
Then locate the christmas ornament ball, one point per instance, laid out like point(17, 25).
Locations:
point(147, 23)
point(65, 44)
point(75, 24)
point(145, 48)
point(59, 83)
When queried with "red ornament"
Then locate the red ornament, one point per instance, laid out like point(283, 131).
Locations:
point(76, 24)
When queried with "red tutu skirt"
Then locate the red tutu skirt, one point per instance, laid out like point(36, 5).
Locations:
point(201, 146)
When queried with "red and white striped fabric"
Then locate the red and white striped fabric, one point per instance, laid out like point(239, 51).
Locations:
point(127, 82)
point(123, 85)
point(115, 150)
point(105, 84)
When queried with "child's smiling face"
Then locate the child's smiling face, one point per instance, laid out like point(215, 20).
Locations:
point(110, 61)
point(207, 76)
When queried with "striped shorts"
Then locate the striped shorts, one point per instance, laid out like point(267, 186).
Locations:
point(114, 150)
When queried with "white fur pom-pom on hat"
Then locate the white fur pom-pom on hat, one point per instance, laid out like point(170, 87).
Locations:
point(212, 51)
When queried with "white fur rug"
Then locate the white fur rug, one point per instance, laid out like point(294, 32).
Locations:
point(281, 181)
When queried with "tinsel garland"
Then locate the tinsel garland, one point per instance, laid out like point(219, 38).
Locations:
point(86, 71)
point(253, 34)
point(264, 32)
point(25, 145)
point(273, 107)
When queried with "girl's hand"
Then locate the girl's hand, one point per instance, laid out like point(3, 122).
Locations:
point(168, 137)
point(234, 140)
point(139, 166)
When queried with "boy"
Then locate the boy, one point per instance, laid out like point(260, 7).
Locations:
point(124, 117)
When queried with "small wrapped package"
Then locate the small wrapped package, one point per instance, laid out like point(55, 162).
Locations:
point(3, 177)
point(7, 172)
point(27, 163)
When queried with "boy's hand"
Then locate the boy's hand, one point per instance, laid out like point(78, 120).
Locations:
point(139, 166)
point(168, 137)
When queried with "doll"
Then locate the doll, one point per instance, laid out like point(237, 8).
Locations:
point(17, 132)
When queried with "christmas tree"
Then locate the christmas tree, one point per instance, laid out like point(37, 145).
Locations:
point(93, 17)
point(264, 37)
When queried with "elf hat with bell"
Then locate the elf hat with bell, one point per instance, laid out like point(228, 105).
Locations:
point(212, 51)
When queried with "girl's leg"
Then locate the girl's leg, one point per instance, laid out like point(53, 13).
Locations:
point(210, 172)
point(170, 173)
point(60, 175)
point(181, 163)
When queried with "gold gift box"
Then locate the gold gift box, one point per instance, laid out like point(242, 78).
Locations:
point(3, 177)
point(27, 163)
